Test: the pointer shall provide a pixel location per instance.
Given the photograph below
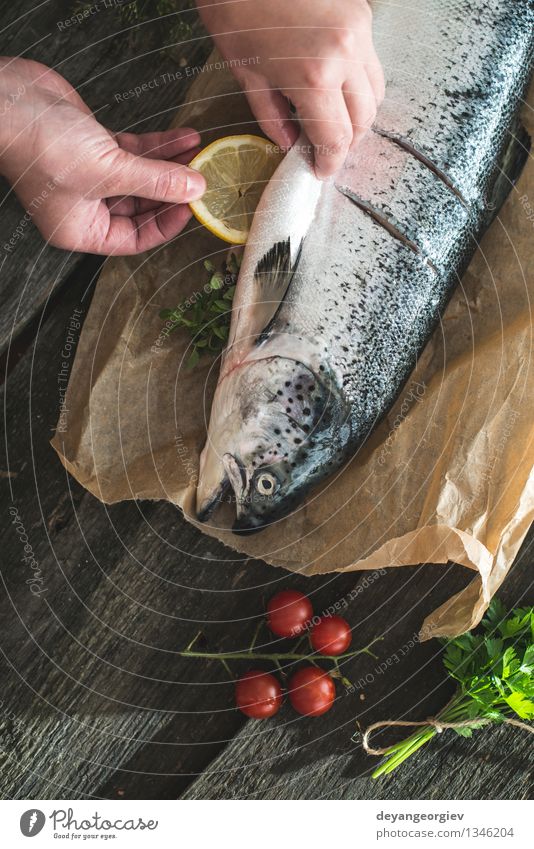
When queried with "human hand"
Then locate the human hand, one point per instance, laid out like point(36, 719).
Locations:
point(86, 188)
point(318, 54)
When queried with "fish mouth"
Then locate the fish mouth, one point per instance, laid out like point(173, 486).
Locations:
point(207, 505)
point(219, 474)
point(248, 523)
point(242, 528)
point(213, 483)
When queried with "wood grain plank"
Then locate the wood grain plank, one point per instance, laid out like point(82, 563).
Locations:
point(495, 765)
point(97, 700)
point(92, 671)
point(293, 757)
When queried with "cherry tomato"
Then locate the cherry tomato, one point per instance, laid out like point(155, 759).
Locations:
point(331, 635)
point(311, 691)
point(258, 694)
point(288, 613)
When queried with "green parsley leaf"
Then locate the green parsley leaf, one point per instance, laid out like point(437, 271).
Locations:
point(206, 314)
point(494, 669)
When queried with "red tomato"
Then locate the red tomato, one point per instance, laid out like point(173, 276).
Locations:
point(258, 694)
point(288, 613)
point(331, 635)
point(311, 691)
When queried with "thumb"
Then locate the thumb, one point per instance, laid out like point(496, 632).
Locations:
point(125, 173)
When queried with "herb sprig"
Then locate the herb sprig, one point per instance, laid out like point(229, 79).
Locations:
point(495, 673)
point(205, 315)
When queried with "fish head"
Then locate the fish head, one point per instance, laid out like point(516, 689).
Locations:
point(276, 428)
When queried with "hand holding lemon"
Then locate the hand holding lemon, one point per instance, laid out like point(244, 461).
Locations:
point(236, 170)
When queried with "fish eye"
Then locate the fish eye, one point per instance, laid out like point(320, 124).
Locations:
point(266, 483)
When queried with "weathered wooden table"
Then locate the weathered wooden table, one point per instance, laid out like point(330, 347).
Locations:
point(95, 701)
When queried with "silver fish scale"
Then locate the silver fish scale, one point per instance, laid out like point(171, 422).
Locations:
point(373, 310)
point(411, 198)
point(380, 283)
point(381, 251)
point(455, 70)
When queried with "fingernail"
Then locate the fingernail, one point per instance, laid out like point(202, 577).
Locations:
point(322, 175)
point(195, 185)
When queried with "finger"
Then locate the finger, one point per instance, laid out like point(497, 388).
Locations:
point(165, 145)
point(126, 236)
point(124, 205)
point(271, 110)
point(123, 173)
point(361, 106)
point(185, 158)
point(325, 119)
point(375, 74)
point(130, 206)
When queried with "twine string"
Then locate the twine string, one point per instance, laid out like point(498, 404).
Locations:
point(434, 722)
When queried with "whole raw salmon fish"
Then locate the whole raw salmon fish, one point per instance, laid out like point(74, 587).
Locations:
point(342, 283)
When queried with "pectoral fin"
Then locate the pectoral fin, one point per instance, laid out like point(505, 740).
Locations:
point(280, 225)
point(272, 279)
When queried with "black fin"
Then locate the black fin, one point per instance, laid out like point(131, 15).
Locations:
point(273, 271)
point(273, 275)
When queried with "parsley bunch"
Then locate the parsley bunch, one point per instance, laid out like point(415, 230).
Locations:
point(205, 315)
point(495, 673)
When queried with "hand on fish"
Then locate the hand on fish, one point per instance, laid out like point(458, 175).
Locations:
point(343, 281)
point(316, 54)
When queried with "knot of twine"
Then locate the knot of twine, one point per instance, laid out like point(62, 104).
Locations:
point(437, 724)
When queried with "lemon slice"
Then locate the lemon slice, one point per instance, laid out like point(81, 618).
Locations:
point(236, 169)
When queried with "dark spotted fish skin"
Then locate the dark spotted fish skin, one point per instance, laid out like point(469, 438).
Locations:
point(456, 75)
point(456, 71)
point(378, 253)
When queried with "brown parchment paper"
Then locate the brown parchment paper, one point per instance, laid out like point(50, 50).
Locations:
point(448, 476)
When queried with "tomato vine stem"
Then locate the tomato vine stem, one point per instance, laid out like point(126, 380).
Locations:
point(276, 656)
